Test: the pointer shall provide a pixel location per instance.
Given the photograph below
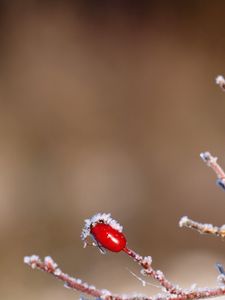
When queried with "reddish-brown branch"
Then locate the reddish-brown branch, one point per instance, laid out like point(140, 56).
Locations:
point(211, 162)
point(49, 266)
point(158, 275)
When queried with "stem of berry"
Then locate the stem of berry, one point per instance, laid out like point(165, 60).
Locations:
point(158, 275)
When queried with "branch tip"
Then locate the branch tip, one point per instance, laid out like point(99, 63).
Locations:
point(202, 228)
point(220, 81)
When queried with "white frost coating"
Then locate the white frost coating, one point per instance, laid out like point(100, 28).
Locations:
point(147, 260)
point(183, 221)
point(208, 158)
point(221, 279)
point(57, 272)
point(31, 260)
point(79, 281)
point(106, 218)
point(222, 228)
point(159, 274)
point(26, 259)
point(220, 80)
point(92, 287)
point(193, 287)
point(134, 296)
point(85, 285)
point(105, 293)
point(50, 262)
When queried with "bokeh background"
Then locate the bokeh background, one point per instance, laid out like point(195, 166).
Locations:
point(105, 107)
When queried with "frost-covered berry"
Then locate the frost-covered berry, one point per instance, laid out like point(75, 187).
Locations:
point(108, 237)
point(105, 231)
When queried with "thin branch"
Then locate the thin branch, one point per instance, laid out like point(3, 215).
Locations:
point(211, 162)
point(49, 266)
point(202, 228)
point(158, 275)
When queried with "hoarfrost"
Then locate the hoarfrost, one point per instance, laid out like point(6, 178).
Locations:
point(48, 261)
point(221, 279)
point(208, 158)
point(26, 260)
point(92, 287)
point(106, 218)
point(193, 286)
point(79, 281)
point(105, 293)
point(57, 272)
point(159, 274)
point(183, 221)
point(220, 80)
point(147, 260)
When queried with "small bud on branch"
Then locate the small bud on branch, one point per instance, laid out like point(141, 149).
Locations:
point(211, 162)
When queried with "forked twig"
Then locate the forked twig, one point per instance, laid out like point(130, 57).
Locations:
point(49, 266)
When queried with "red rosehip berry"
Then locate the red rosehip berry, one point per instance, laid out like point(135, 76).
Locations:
point(108, 237)
point(106, 233)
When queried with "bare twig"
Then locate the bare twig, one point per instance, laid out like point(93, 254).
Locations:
point(211, 162)
point(202, 228)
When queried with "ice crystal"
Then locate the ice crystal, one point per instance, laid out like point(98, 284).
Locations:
point(208, 158)
point(49, 262)
point(147, 260)
point(183, 221)
point(57, 272)
point(106, 218)
point(220, 80)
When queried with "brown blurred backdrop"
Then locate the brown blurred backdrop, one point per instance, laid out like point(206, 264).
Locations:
point(105, 107)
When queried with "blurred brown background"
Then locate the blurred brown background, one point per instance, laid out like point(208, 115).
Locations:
point(105, 107)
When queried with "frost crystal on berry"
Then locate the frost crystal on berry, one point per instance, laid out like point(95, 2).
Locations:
point(105, 218)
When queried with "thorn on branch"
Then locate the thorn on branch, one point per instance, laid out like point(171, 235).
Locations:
point(220, 269)
point(221, 277)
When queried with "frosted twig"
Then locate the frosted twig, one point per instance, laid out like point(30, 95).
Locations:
point(221, 82)
point(202, 228)
point(108, 233)
point(158, 275)
point(211, 162)
point(49, 266)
